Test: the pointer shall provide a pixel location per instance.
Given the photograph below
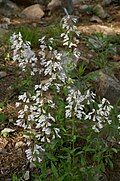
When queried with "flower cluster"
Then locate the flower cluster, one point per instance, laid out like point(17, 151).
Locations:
point(71, 35)
point(79, 106)
point(100, 116)
point(69, 28)
point(23, 54)
point(35, 110)
point(35, 118)
point(51, 67)
point(70, 38)
point(34, 153)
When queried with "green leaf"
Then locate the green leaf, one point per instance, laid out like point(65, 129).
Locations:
point(3, 117)
point(111, 164)
point(1, 104)
point(54, 170)
point(63, 177)
point(114, 150)
point(50, 157)
point(83, 162)
point(79, 153)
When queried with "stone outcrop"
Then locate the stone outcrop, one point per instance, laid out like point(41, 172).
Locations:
point(106, 86)
point(101, 13)
point(68, 4)
point(33, 12)
point(53, 4)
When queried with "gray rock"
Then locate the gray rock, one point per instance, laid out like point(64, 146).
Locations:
point(107, 2)
point(30, 2)
point(41, 2)
point(53, 4)
point(107, 86)
point(67, 4)
point(86, 7)
point(6, 20)
point(9, 4)
point(2, 74)
point(8, 8)
point(4, 25)
point(95, 19)
point(33, 12)
point(76, 2)
point(99, 11)
point(116, 70)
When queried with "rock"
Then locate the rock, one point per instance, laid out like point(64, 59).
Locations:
point(68, 4)
point(95, 19)
point(76, 2)
point(10, 5)
point(6, 20)
point(116, 70)
point(23, 2)
point(85, 7)
point(53, 4)
point(4, 26)
point(8, 8)
point(29, 2)
point(2, 74)
point(107, 2)
point(33, 12)
point(19, 144)
point(98, 9)
point(107, 86)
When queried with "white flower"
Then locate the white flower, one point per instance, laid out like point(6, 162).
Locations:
point(43, 139)
point(17, 104)
point(95, 129)
point(47, 131)
point(23, 97)
point(57, 132)
point(68, 113)
point(72, 45)
point(48, 140)
point(29, 154)
point(26, 108)
point(51, 117)
point(66, 43)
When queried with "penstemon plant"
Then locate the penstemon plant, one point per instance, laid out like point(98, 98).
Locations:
point(37, 110)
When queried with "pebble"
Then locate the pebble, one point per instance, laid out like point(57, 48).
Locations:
point(107, 2)
point(6, 20)
point(100, 11)
point(19, 144)
point(2, 74)
point(95, 19)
